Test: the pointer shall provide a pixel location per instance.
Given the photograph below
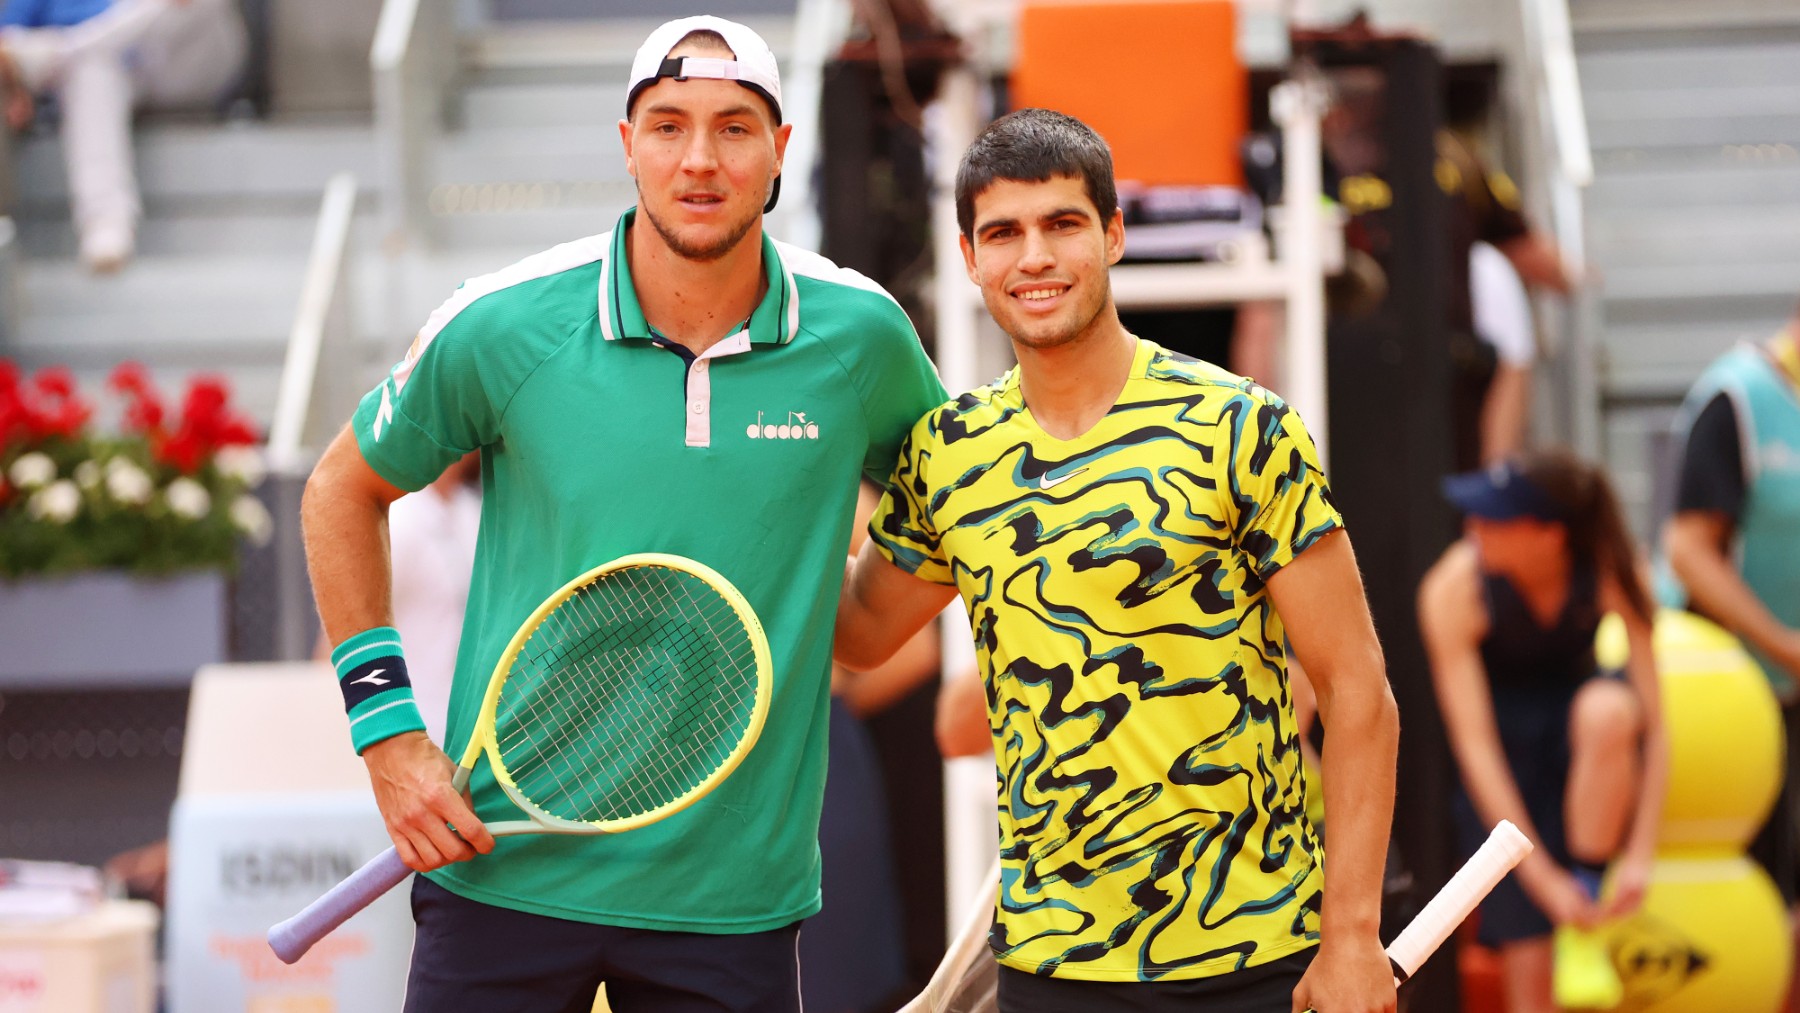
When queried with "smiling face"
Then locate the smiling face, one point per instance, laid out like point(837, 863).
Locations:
point(705, 154)
point(1040, 252)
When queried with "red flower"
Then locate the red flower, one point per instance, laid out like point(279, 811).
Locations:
point(12, 407)
point(50, 407)
point(55, 381)
point(182, 452)
point(144, 406)
point(207, 424)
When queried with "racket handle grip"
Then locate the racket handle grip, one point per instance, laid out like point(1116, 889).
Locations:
point(291, 939)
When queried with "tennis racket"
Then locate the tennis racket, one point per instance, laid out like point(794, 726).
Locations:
point(963, 983)
point(625, 698)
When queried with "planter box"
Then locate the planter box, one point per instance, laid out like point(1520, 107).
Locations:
point(105, 629)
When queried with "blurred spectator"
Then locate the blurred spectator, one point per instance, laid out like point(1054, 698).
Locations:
point(100, 58)
point(1484, 207)
point(1575, 758)
point(1733, 544)
point(1502, 315)
point(432, 537)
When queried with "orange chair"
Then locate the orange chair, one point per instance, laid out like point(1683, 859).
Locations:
point(1159, 79)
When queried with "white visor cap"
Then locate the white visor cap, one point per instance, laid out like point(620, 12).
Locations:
point(754, 67)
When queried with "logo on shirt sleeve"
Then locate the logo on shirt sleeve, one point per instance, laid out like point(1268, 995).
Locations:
point(385, 413)
point(797, 427)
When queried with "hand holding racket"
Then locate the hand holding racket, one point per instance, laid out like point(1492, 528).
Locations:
point(623, 699)
point(964, 983)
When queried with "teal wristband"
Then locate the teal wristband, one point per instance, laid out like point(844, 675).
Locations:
point(378, 695)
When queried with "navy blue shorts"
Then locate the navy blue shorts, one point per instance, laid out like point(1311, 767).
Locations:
point(473, 956)
point(1265, 988)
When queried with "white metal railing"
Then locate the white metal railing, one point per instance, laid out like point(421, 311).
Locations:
point(413, 59)
point(1562, 160)
point(310, 403)
point(315, 396)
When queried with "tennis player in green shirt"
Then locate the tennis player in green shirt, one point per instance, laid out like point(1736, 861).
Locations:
point(683, 384)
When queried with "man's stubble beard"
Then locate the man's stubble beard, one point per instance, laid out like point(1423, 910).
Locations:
point(691, 251)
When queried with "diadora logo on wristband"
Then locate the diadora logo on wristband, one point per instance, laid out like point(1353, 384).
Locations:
point(797, 427)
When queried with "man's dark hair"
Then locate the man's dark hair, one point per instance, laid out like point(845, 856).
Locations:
point(1033, 145)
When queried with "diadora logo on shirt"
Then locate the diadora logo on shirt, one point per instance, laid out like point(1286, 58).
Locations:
point(797, 427)
point(385, 413)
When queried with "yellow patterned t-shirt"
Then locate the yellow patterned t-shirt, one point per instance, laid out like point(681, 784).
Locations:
point(1152, 807)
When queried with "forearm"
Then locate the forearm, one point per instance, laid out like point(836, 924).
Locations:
point(1503, 413)
point(1362, 737)
point(880, 608)
point(1538, 262)
point(856, 644)
point(1647, 819)
point(871, 692)
point(1653, 776)
point(344, 527)
point(1715, 585)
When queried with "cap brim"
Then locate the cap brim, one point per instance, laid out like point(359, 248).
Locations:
point(1474, 493)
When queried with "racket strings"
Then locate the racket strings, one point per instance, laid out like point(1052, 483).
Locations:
point(627, 696)
point(556, 782)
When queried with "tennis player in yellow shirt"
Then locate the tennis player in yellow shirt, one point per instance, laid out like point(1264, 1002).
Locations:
point(1138, 538)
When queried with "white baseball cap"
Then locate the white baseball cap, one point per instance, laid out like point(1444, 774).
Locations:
point(754, 66)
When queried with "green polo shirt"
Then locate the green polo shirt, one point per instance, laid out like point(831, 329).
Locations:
point(596, 442)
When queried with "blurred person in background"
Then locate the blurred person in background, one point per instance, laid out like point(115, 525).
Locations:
point(100, 59)
point(1574, 757)
point(432, 544)
point(1484, 206)
point(1732, 547)
point(1488, 392)
point(1502, 318)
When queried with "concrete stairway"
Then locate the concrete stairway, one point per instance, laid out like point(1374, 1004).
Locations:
point(1694, 214)
point(229, 215)
point(530, 157)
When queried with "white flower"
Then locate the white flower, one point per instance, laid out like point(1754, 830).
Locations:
point(252, 518)
point(188, 498)
point(242, 463)
point(57, 502)
point(88, 474)
point(127, 483)
point(32, 471)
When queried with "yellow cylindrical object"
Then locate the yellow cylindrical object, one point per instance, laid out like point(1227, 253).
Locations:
point(1726, 747)
point(1712, 936)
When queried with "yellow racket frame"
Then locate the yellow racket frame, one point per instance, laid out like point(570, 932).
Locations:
point(485, 739)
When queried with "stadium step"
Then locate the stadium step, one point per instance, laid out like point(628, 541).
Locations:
point(1691, 216)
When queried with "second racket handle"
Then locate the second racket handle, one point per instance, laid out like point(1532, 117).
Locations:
point(291, 939)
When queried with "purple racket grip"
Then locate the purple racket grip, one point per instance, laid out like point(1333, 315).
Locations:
point(291, 939)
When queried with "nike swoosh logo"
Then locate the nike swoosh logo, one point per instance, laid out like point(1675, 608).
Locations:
point(373, 678)
point(1046, 482)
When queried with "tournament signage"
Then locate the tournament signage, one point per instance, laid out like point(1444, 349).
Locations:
point(242, 863)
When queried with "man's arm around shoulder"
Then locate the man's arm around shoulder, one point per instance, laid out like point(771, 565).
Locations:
point(1334, 639)
point(344, 518)
point(881, 607)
